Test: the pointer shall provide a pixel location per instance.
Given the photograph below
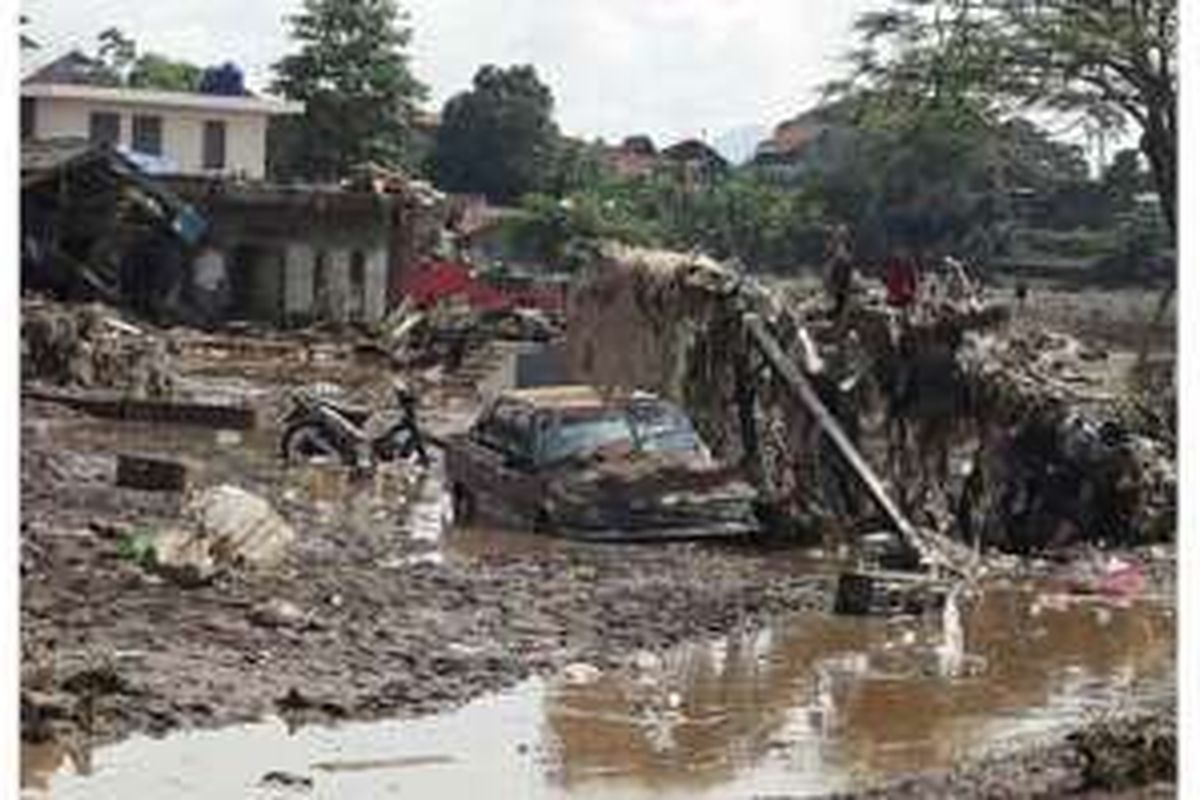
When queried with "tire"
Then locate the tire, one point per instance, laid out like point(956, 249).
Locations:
point(305, 442)
point(462, 505)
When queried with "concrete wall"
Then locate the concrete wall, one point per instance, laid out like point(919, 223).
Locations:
point(343, 301)
point(298, 289)
point(182, 132)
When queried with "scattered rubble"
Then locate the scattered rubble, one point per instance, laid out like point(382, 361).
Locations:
point(89, 347)
point(1040, 454)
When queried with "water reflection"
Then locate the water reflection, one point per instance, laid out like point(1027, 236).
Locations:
point(828, 699)
point(813, 704)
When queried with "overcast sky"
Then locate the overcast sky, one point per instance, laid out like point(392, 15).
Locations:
point(670, 68)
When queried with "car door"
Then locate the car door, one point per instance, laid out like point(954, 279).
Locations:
point(501, 474)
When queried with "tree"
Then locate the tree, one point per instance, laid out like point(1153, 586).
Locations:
point(577, 166)
point(1124, 178)
point(1107, 62)
point(154, 71)
point(116, 53)
point(352, 73)
point(27, 42)
point(498, 138)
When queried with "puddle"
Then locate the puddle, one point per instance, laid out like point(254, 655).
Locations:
point(812, 704)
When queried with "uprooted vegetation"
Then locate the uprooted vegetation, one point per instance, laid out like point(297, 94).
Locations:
point(990, 430)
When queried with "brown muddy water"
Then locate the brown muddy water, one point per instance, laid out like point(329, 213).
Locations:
point(809, 705)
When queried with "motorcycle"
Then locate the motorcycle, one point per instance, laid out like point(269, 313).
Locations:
point(320, 427)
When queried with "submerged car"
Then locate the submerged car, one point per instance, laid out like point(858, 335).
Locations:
point(574, 461)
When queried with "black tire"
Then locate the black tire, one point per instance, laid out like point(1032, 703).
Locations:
point(462, 505)
point(305, 441)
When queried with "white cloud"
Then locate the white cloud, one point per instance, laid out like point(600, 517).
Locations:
point(670, 68)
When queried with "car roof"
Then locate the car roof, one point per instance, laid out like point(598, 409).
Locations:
point(567, 396)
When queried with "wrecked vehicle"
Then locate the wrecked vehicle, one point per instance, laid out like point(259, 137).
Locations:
point(319, 426)
point(570, 460)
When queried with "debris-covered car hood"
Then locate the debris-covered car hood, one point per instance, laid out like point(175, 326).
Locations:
point(638, 473)
point(664, 490)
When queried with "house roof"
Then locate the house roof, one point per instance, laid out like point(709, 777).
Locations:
point(75, 67)
point(34, 87)
point(694, 150)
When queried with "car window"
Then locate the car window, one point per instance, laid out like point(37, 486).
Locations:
point(566, 436)
point(659, 426)
point(508, 429)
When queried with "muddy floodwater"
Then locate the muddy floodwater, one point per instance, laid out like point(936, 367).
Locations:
point(808, 705)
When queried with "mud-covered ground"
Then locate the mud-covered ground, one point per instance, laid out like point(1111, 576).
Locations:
point(358, 621)
point(366, 616)
point(1125, 756)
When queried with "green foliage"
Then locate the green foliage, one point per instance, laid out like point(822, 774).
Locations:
point(762, 225)
point(154, 71)
point(577, 166)
point(352, 73)
point(1107, 63)
point(119, 64)
point(1124, 179)
point(116, 53)
point(498, 138)
point(137, 546)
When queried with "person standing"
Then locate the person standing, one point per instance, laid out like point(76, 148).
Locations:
point(900, 279)
point(840, 275)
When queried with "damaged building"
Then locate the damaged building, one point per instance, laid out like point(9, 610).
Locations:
point(295, 255)
point(96, 225)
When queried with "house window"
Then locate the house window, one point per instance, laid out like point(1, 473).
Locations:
point(104, 127)
point(214, 144)
point(28, 117)
point(147, 135)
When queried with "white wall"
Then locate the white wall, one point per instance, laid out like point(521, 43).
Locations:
point(299, 299)
point(182, 132)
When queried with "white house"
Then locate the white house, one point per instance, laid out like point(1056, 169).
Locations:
point(196, 134)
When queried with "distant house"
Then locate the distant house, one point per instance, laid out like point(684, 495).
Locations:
point(696, 159)
point(186, 133)
point(811, 142)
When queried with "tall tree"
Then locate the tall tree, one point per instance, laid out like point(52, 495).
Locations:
point(116, 52)
point(352, 72)
point(1109, 61)
point(498, 138)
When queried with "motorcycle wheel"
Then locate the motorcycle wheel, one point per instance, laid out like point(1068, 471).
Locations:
point(307, 442)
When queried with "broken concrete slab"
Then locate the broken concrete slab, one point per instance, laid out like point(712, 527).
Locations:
point(114, 406)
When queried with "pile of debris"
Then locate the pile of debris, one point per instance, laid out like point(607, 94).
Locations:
point(981, 430)
point(448, 331)
point(90, 346)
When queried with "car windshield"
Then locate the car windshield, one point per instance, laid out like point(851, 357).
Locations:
point(660, 427)
point(578, 436)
